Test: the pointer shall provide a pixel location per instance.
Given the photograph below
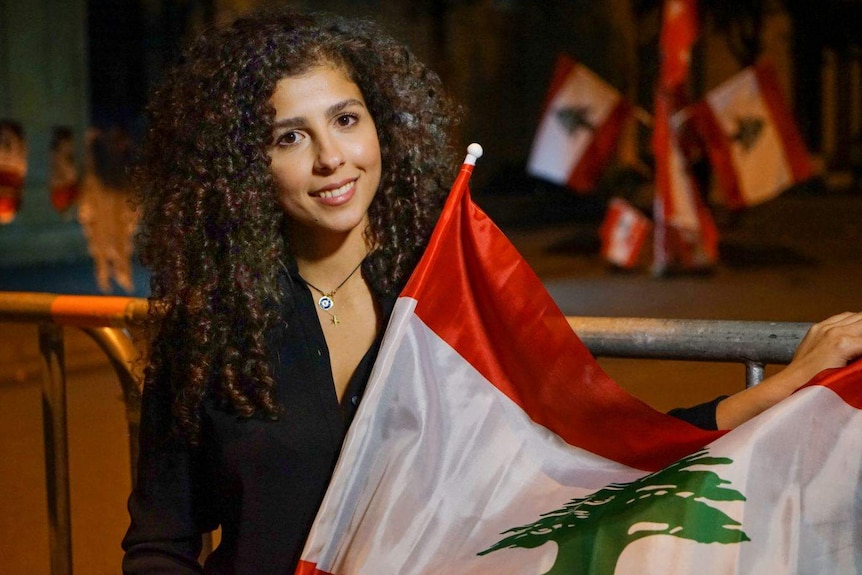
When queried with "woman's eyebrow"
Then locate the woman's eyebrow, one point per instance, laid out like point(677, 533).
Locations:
point(336, 108)
point(330, 111)
point(289, 122)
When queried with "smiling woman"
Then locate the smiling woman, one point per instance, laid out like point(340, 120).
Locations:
point(293, 169)
point(292, 172)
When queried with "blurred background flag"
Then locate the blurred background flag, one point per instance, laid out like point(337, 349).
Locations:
point(686, 237)
point(623, 233)
point(679, 31)
point(751, 138)
point(581, 123)
point(13, 168)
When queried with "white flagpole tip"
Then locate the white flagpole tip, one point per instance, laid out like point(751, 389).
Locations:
point(474, 152)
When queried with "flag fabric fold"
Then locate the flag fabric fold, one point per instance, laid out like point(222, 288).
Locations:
point(752, 140)
point(581, 123)
point(490, 441)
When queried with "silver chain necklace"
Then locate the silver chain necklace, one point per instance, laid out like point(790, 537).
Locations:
point(327, 301)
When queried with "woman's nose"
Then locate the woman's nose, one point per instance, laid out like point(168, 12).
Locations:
point(329, 155)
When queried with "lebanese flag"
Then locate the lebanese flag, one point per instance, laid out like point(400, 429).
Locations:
point(753, 142)
point(685, 233)
point(490, 441)
point(623, 233)
point(580, 126)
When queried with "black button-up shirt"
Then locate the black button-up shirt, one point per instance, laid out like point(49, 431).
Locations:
point(262, 480)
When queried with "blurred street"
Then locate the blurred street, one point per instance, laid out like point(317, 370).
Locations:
point(793, 259)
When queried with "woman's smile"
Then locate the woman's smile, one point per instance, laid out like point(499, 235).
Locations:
point(336, 195)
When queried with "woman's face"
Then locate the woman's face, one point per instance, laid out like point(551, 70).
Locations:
point(325, 152)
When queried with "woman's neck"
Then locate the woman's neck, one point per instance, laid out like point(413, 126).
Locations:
point(324, 259)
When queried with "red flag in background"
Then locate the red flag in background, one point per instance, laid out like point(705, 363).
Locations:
point(679, 31)
point(686, 237)
point(752, 140)
point(685, 234)
point(581, 123)
point(623, 233)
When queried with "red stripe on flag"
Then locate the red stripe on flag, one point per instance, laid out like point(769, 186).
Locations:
point(845, 381)
point(475, 291)
point(564, 66)
point(719, 153)
point(307, 568)
point(794, 148)
point(586, 174)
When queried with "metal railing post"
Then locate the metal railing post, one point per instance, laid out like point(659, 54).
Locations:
point(121, 352)
point(754, 373)
point(56, 447)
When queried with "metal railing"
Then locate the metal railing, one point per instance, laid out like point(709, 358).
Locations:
point(751, 343)
point(108, 321)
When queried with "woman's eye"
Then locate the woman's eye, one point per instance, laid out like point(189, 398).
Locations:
point(287, 139)
point(346, 120)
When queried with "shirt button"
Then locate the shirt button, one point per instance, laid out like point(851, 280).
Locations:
point(354, 400)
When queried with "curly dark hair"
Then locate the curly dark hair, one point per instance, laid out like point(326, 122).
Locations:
point(212, 228)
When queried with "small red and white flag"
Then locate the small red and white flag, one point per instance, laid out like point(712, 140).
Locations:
point(685, 234)
point(490, 441)
point(580, 126)
point(752, 140)
point(623, 233)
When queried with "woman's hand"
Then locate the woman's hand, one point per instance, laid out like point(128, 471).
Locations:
point(833, 342)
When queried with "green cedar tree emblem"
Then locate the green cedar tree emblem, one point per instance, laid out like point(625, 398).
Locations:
point(748, 130)
point(592, 532)
point(574, 118)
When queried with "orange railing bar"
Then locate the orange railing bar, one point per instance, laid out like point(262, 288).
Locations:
point(106, 320)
